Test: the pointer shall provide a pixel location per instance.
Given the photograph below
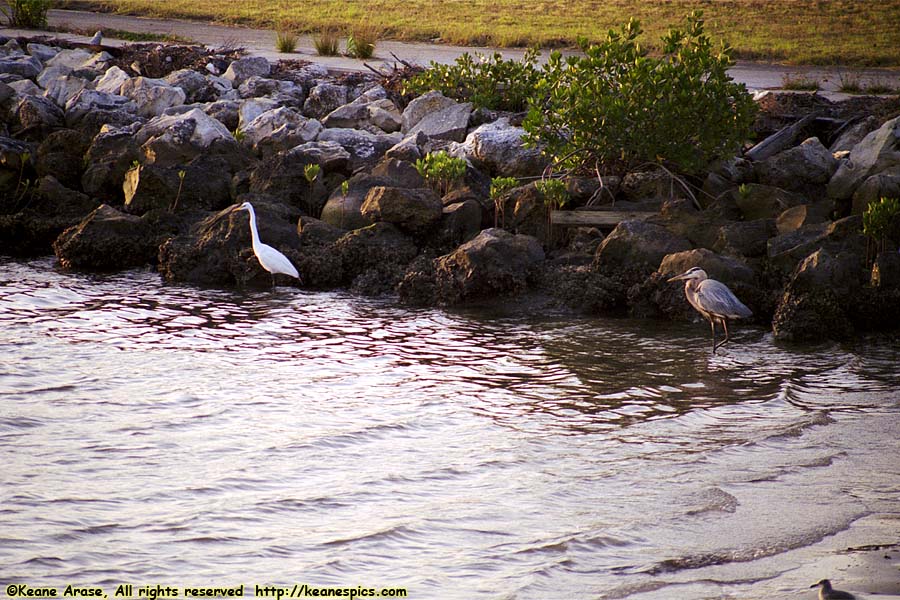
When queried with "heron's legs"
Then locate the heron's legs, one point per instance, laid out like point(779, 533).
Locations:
point(725, 327)
point(712, 324)
point(273, 281)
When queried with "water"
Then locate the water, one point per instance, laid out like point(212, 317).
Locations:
point(154, 433)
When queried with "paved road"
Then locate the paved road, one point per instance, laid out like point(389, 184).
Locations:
point(261, 42)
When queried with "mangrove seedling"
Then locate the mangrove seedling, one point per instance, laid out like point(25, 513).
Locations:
point(441, 171)
point(499, 187)
point(181, 174)
point(311, 172)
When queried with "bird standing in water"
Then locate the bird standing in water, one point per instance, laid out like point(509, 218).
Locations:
point(713, 300)
point(826, 592)
point(271, 259)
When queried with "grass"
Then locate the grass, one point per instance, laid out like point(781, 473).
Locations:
point(361, 41)
point(822, 32)
point(796, 82)
point(852, 84)
point(286, 40)
point(327, 42)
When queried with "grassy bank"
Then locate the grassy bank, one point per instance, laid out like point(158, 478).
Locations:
point(862, 32)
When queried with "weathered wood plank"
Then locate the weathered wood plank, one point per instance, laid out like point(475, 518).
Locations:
point(596, 217)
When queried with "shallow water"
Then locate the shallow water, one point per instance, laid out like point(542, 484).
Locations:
point(153, 433)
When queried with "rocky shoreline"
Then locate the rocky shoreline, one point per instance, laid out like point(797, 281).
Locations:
point(119, 161)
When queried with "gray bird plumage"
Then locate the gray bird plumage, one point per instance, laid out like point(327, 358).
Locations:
point(713, 300)
point(826, 592)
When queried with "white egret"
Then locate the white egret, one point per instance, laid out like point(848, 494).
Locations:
point(271, 259)
point(826, 592)
point(713, 300)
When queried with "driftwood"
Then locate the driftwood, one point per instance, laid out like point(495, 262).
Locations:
point(596, 218)
point(783, 139)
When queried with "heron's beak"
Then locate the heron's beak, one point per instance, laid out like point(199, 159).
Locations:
point(677, 278)
point(815, 585)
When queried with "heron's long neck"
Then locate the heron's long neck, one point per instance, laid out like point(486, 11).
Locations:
point(253, 232)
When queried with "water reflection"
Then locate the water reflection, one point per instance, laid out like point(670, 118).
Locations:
point(328, 437)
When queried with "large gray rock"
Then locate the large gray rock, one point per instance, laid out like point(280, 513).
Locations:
point(757, 201)
point(798, 168)
point(885, 184)
point(374, 258)
point(61, 155)
point(877, 152)
point(331, 156)
point(193, 83)
point(854, 134)
point(244, 68)
point(106, 240)
point(176, 139)
point(282, 177)
point(252, 108)
point(323, 99)
point(279, 129)
point(493, 263)
point(745, 238)
point(376, 116)
point(203, 184)
point(111, 82)
point(152, 96)
point(26, 67)
point(365, 148)
point(42, 52)
point(25, 87)
point(63, 89)
point(38, 115)
point(109, 156)
point(499, 148)
point(635, 249)
point(422, 106)
point(450, 123)
point(786, 251)
point(72, 59)
point(817, 303)
point(50, 73)
point(415, 211)
point(89, 101)
point(345, 210)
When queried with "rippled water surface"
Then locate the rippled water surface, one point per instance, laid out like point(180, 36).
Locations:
point(152, 433)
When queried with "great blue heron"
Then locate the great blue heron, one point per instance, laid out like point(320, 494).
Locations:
point(713, 300)
point(271, 259)
point(826, 592)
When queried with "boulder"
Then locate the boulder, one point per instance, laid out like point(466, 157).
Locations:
point(523, 210)
point(419, 108)
point(252, 108)
point(757, 201)
point(493, 263)
point(345, 210)
point(375, 257)
point(331, 156)
point(38, 116)
point(194, 84)
point(365, 148)
point(91, 101)
point(110, 155)
point(324, 98)
point(226, 112)
point(203, 184)
point(279, 129)
point(152, 96)
point(745, 238)
point(460, 222)
point(399, 172)
point(285, 93)
point(42, 52)
point(26, 67)
point(806, 167)
point(218, 250)
point(843, 236)
point(409, 148)
point(796, 217)
point(877, 152)
point(498, 147)
point(61, 155)
point(63, 89)
point(854, 133)
point(635, 249)
point(450, 123)
point(282, 178)
point(415, 211)
point(244, 68)
point(376, 116)
point(886, 271)
point(72, 59)
point(106, 240)
point(817, 302)
point(885, 184)
point(25, 87)
point(111, 82)
point(178, 139)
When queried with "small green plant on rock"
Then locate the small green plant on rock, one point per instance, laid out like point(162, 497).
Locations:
point(30, 14)
point(878, 219)
point(441, 171)
point(181, 175)
point(499, 187)
point(555, 197)
point(311, 172)
point(486, 81)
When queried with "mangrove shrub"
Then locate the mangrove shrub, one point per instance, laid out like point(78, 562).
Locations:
point(616, 106)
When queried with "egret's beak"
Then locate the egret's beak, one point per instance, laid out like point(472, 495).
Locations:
point(677, 277)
